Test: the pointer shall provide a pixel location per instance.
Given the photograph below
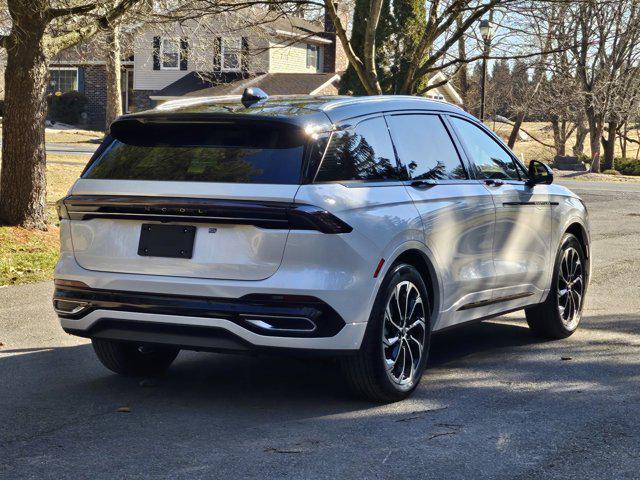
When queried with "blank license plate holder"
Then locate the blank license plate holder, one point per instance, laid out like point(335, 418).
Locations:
point(172, 241)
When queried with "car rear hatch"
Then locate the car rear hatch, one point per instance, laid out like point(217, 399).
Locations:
point(210, 199)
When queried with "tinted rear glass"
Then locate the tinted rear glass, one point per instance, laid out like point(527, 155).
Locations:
point(363, 153)
point(220, 152)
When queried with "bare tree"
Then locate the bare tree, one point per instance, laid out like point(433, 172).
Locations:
point(605, 49)
point(39, 29)
point(446, 23)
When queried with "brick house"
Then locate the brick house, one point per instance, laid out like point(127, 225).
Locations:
point(195, 58)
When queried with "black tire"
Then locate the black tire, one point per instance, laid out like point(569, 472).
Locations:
point(132, 359)
point(546, 319)
point(366, 372)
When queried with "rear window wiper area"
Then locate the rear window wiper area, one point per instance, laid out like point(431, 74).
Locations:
point(224, 151)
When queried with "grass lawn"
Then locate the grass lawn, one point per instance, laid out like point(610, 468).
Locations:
point(532, 150)
point(73, 137)
point(30, 255)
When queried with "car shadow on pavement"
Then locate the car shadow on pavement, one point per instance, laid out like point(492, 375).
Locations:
point(40, 378)
point(60, 407)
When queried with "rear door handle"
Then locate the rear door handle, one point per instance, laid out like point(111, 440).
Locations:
point(422, 183)
point(495, 183)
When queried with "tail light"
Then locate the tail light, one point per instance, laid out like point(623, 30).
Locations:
point(61, 208)
point(309, 217)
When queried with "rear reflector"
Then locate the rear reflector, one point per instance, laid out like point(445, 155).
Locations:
point(59, 282)
point(378, 268)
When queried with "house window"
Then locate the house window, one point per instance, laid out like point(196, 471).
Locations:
point(170, 54)
point(231, 51)
point(312, 56)
point(63, 79)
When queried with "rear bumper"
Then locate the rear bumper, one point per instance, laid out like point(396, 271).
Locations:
point(200, 323)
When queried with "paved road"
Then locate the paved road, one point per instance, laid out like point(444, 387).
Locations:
point(495, 403)
point(68, 149)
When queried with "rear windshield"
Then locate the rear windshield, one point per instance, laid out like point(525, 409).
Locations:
point(205, 152)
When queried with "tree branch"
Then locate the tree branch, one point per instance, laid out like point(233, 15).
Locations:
point(532, 137)
point(53, 13)
point(66, 40)
point(354, 60)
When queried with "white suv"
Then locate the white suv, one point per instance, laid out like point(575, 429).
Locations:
point(349, 227)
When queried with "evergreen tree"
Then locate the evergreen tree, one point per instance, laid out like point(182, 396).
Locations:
point(350, 83)
point(498, 93)
point(399, 29)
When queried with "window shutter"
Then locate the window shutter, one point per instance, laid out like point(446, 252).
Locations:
point(217, 54)
point(184, 53)
point(244, 55)
point(81, 79)
point(156, 53)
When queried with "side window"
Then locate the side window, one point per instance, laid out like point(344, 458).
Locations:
point(424, 146)
point(361, 153)
point(490, 159)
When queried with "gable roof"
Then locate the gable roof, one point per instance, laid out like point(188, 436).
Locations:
point(200, 84)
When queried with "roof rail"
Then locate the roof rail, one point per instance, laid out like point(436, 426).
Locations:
point(378, 98)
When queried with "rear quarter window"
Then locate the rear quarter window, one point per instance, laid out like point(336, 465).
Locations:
point(221, 152)
point(363, 153)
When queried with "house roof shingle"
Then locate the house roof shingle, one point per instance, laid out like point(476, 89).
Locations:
point(199, 84)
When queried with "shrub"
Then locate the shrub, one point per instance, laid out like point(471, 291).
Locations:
point(627, 166)
point(67, 107)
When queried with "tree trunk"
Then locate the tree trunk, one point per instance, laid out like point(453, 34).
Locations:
point(581, 136)
point(559, 138)
point(513, 136)
point(23, 181)
point(463, 72)
point(609, 145)
point(595, 132)
point(114, 75)
point(623, 141)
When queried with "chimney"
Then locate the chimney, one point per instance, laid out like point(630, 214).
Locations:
point(335, 58)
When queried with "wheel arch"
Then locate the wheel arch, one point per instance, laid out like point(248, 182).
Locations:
point(423, 263)
point(578, 230)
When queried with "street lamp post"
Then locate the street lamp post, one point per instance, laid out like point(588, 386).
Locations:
point(486, 33)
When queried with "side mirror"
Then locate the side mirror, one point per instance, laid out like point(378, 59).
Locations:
point(539, 174)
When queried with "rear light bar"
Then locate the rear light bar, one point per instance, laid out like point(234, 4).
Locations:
point(275, 215)
point(62, 210)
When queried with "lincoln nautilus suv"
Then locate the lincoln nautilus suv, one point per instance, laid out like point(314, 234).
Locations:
point(348, 227)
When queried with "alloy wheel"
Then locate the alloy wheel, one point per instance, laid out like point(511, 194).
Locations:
point(404, 333)
point(570, 288)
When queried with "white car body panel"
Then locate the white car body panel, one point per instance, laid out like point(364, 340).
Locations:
point(489, 249)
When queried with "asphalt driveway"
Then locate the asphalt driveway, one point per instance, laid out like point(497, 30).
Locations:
point(495, 403)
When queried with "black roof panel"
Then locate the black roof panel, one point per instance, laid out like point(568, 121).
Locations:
point(294, 109)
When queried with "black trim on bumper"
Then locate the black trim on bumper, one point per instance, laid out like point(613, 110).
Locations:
point(190, 337)
point(243, 311)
